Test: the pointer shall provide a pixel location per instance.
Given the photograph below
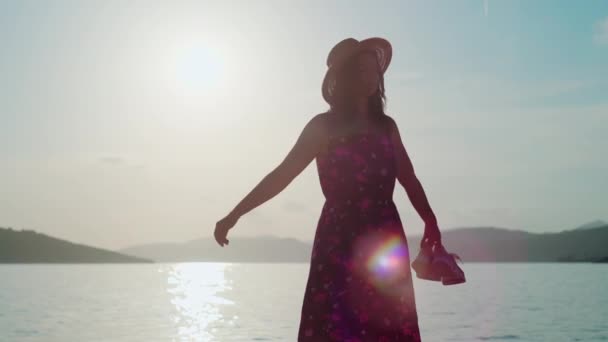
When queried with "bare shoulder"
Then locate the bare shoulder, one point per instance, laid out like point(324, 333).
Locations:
point(392, 125)
point(319, 119)
point(318, 125)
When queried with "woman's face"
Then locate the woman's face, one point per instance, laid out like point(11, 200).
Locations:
point(366, 75)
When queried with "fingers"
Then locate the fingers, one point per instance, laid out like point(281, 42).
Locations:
point(430, 239)
point(221, 231)
point(220, 236)
point(221, 240)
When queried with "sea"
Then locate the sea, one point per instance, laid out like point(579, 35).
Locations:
point(201, 301)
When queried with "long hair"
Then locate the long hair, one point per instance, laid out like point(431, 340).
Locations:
point(344, 103)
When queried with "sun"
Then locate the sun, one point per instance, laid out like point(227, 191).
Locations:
point(199, 69)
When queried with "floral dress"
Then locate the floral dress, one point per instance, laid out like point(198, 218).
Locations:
point(359, 284)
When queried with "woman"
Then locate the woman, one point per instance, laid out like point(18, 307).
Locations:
point(359, 284)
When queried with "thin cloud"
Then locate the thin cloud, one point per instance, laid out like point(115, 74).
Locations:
point(112, 160)
point(410, 76)
point(600, 36)
point(120, 162)
point(405, 77)
point(485, 7)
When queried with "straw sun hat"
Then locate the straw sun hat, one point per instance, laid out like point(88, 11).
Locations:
point(347, 48)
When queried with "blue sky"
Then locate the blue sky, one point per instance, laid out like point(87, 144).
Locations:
point(132, 122)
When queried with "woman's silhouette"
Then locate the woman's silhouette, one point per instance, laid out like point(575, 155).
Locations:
point(359, 284)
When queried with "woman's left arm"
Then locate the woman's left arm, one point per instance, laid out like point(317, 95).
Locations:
point(410, 182)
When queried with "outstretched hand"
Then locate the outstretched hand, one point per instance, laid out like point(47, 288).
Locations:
point(222, 227)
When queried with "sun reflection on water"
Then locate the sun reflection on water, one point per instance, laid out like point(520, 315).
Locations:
point(195, 290)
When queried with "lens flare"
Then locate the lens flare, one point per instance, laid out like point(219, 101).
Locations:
point(385, 260)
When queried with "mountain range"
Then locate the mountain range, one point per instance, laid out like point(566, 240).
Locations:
point(587, 243)
point(479, 244)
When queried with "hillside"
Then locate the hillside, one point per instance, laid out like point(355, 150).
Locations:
point(28, 246)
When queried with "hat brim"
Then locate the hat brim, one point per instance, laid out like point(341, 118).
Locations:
point(381, 47)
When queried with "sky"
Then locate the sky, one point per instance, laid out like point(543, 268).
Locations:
point(125, 123)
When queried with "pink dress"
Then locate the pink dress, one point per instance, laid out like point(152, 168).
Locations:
point(359, 284)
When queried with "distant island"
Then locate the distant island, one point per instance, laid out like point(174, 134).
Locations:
point(28, 246)
point(573, 259)
point(588, 243)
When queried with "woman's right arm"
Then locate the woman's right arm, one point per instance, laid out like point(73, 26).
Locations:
point(299, 157)
point(309, 143)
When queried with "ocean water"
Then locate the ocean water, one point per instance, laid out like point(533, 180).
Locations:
point(261, 302)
